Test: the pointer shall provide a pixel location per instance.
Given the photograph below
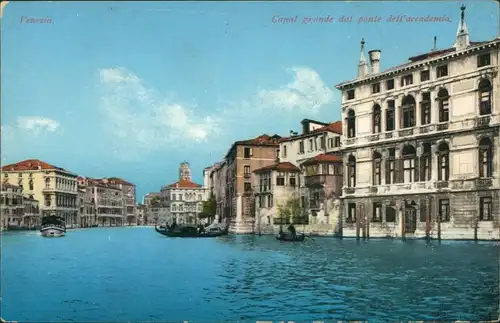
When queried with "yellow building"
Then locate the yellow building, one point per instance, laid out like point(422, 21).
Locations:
point(54, 187)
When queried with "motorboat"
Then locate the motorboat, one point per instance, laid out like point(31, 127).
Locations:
point(53, 226)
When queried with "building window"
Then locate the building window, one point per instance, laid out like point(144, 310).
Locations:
point(280, 179)
point(390, 172)
point(408, 116)
point(390, 84)
point(20, 183)
point(350, 95)
point(444, 109)
point(247, 187)
point(292, 180)
point(485, 158)
point(444, 210)
point(425, 109)
point(377, 212)
point(351, 124)
point(376, 88)
point(301, 147)
point(284, 151)
point(390, 116)
point(270, 201)
point(425, 76)
point(444, 162)
point(351, 173)
point(425, 163)
point(485, 94)
point(330, 142)
point(483, 60)
point(311, 145)
point(31, 186)
point(377, 168)
point(485, 208)
point(247, 152)
point(246, 170)
point(337, 141)
point(390, 214)
point(407, 80)
point(322, 142)
point(442, 71)
point(351, 213)
point(409, 170)
point(377, 122)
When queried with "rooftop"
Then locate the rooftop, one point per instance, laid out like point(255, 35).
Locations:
point(31, 164)
point(335, 127)
point(324, 158)
point(184, 184)
point(280, 167)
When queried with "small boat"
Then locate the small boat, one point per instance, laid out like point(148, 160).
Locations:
point(53, 226)
point(191, 231)
point(299, 237)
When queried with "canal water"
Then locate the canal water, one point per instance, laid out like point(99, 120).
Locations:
point(134, 274)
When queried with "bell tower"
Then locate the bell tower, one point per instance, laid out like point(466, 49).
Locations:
point(184, 172)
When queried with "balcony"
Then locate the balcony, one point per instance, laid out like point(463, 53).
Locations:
point(483, 183)
point(426, 128)
point(406, 132)
point(349, 190)
point(483, 122)
point(247, 175)
point(442, 184)
point(315, 180)
point(373, 190)
point(374, 137)
point(350, 141)
point(443, 126)
point(388, 135)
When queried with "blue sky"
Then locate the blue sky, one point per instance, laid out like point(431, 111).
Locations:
point(132, 89)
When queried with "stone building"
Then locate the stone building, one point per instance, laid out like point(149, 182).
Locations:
point(236, 177)
point(129, 194)
point(217, 185)
point(54, 187)
point(18, 211)
point(86, 208)
point(309, 170)
point(183, 199)
point(421, 148)
point(108, 202)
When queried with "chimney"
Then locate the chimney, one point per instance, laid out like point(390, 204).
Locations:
point(375, 60)
point(291, 133)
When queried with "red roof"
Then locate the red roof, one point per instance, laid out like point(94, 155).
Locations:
point(335, 127)
point(184, 184)
point(116, 180)
point(30, 164)
point(324, 158)
point(280, 167)
point(262, 140)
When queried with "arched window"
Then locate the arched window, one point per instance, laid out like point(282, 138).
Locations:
point(444, 106)
point(351, 124)
point(408, 112)
point(443, 162)
point(485, 94)
point(377, 168)
point(390, 167)
point(409, 156)
point(425, 163)
point(485, 158)
point(377, 121)
point(47, 182)
point(31, 185)
point(351, 172)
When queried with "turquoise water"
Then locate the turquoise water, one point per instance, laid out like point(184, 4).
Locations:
point(135, 274)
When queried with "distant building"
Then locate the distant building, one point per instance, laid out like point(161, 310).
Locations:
point(421, 144)
point(184, 198)
point(54, 187)
point(129, 194)
point(86, 206)
point(108, 202)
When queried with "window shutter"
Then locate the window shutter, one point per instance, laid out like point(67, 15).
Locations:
point(417, 169)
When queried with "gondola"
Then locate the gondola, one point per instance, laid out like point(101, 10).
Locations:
point(191, 231)
point(299, 237)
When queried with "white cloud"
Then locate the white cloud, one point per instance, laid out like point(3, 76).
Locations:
point(37, 124)
point(307, 92)
point(139, 116)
